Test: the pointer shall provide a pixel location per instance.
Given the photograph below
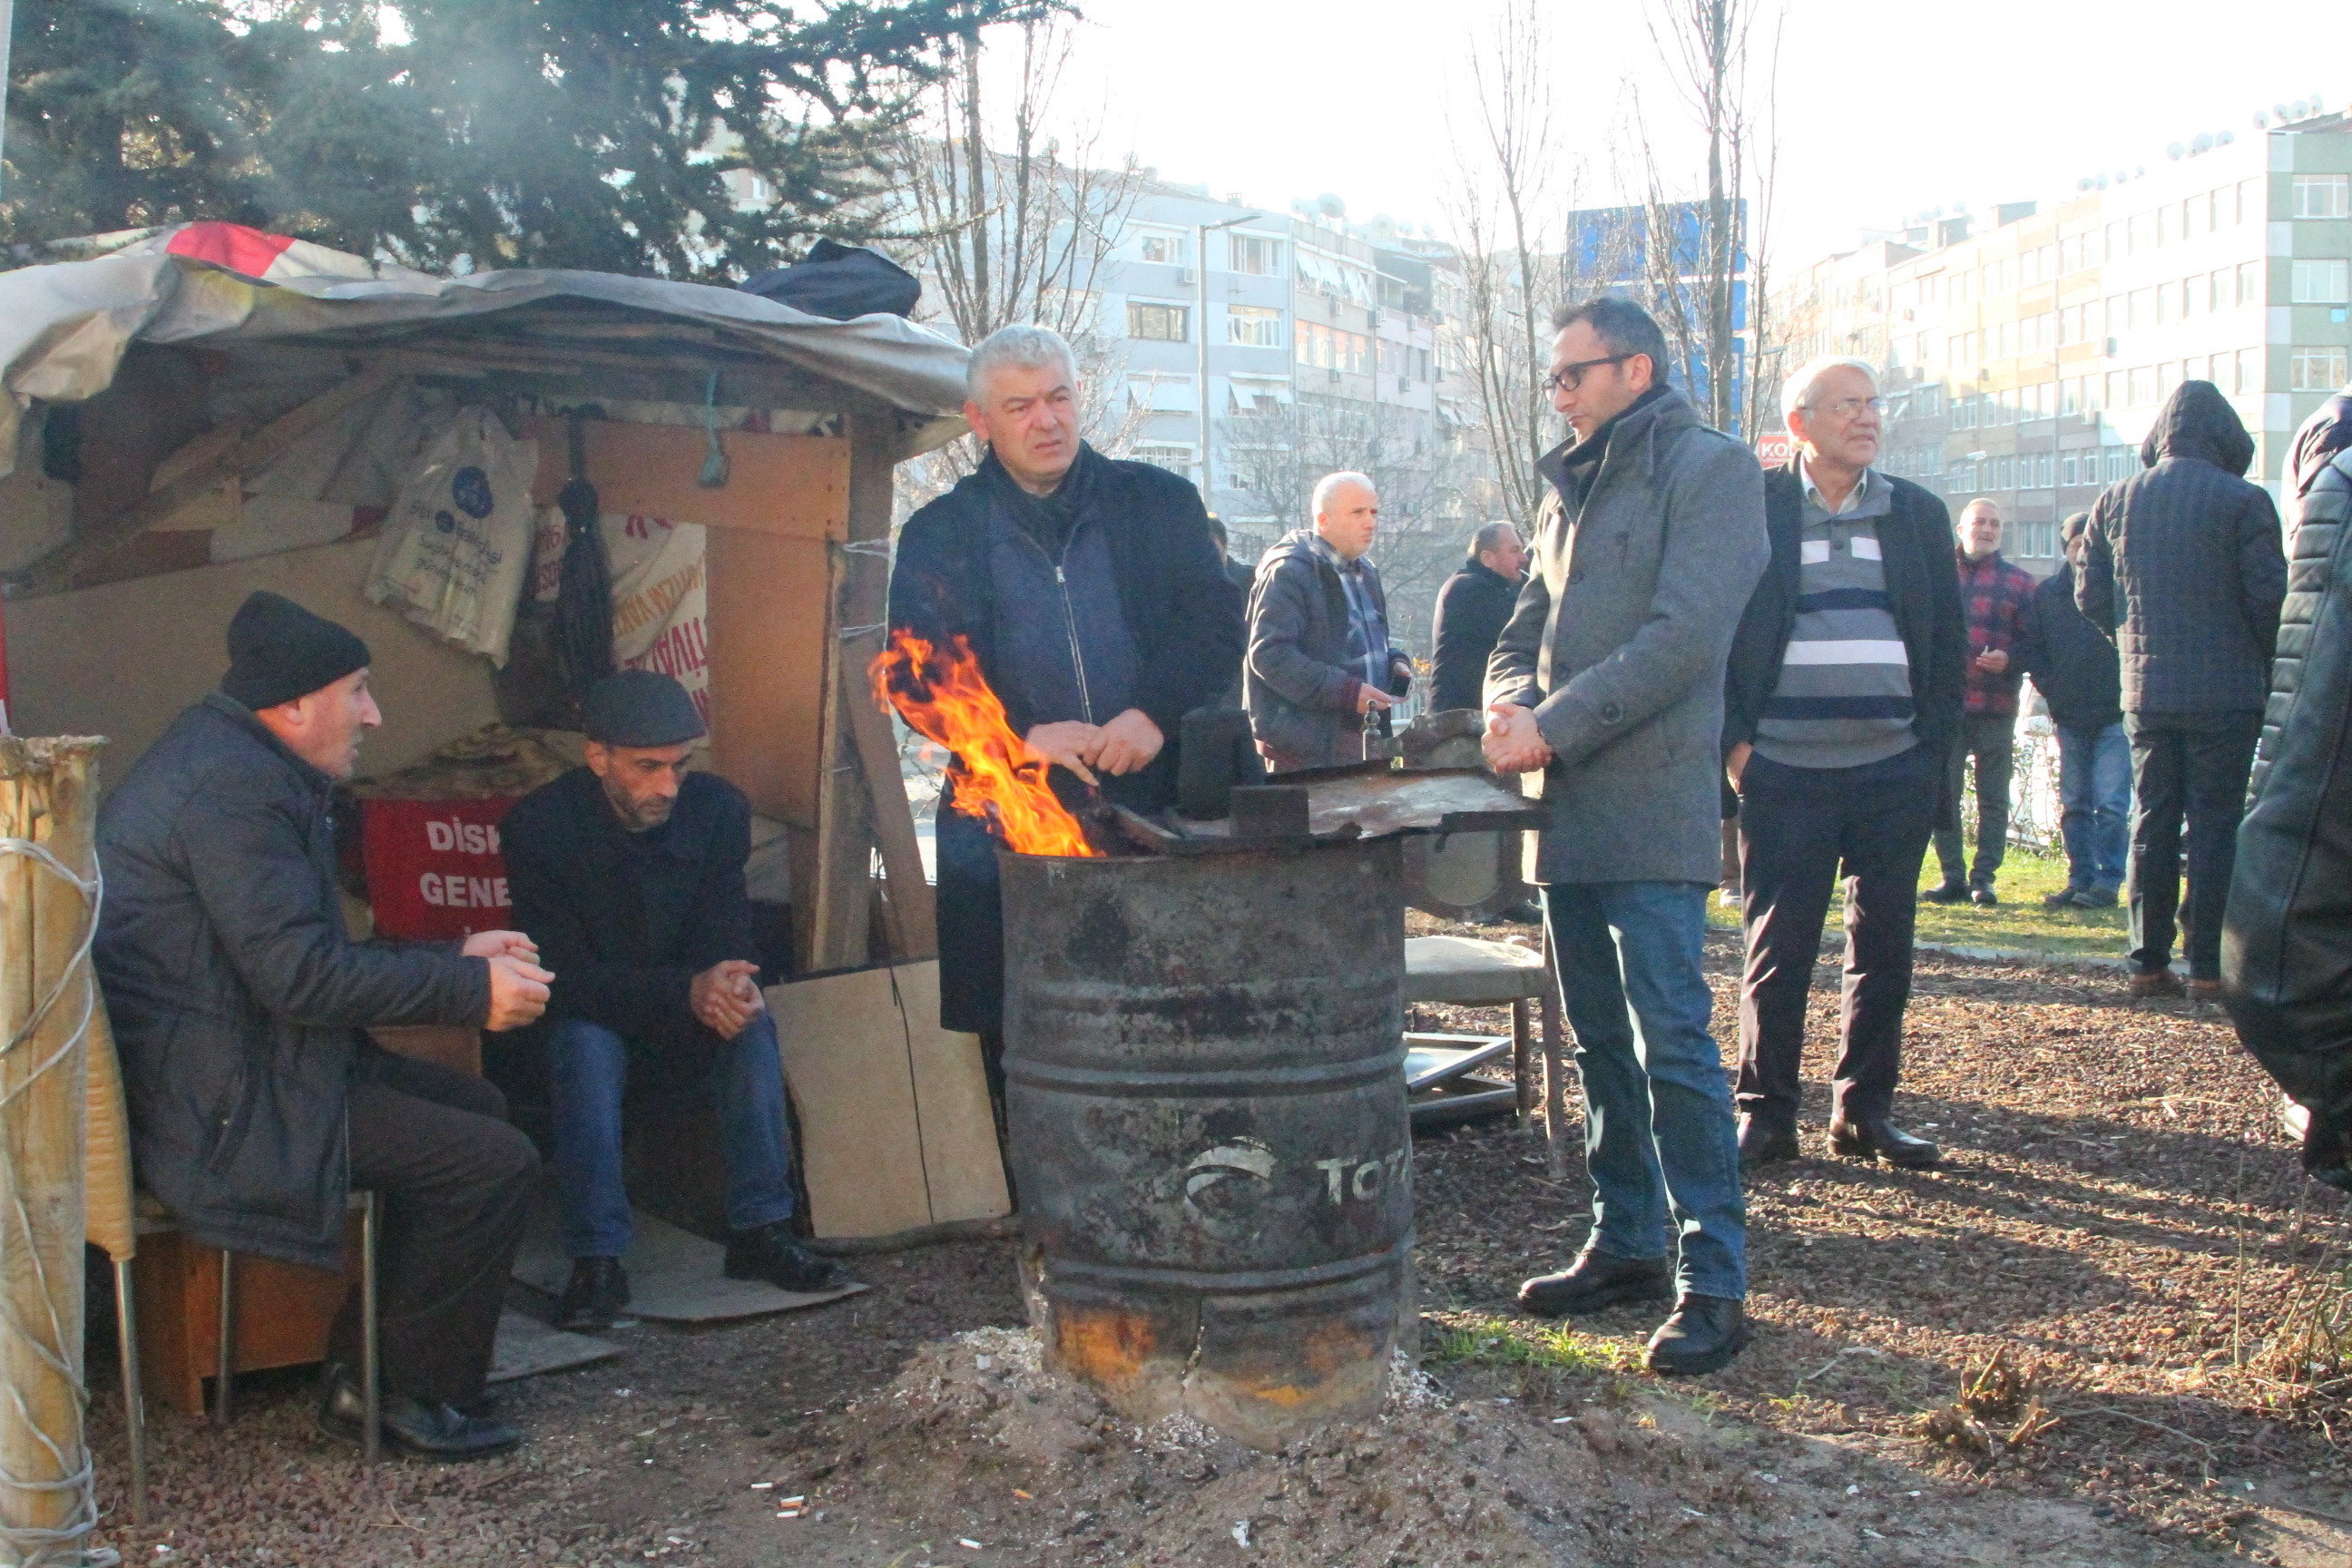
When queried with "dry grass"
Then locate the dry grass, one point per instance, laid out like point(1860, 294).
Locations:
point(2001, 1408)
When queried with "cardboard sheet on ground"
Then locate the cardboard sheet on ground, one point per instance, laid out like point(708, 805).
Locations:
point(896, 1128)
point(674, 1276)
point(526, 1347)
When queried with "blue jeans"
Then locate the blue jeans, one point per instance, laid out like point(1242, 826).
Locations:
point(2094, 795)
point(1658, 1135)
point(592, 1069)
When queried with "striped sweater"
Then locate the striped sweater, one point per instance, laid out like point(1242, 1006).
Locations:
point(1844, 697)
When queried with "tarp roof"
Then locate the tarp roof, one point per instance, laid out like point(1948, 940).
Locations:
point(65, 326)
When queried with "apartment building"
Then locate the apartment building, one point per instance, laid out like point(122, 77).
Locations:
point(2026, 362)
point(1287, 324)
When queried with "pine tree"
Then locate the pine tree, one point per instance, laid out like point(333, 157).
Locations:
point(471, 134)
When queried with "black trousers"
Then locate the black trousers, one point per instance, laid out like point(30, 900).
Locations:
point(2192, 767)
point(453, 1181)
point(1799, 829)
point(1991, 740)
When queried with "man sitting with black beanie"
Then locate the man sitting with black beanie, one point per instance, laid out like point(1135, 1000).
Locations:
point(238, 1002)
point(629, 873)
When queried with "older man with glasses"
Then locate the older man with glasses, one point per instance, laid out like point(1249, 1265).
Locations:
point(1842, 697)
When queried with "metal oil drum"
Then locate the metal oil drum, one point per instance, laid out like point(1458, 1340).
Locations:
point(1209, 1130)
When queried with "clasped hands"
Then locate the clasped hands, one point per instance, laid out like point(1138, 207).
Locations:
point(1125, 745)
point(1512, 743)
point(725, 998)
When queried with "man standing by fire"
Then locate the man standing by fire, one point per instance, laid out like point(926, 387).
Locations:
point(1609, 678)
point(1098, 606)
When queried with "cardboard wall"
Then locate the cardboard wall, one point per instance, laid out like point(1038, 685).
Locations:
point(773, 524)
point(122, 659)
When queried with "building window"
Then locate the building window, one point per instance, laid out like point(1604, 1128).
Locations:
point(2322, 283)
point(1175, 459)
point(2168, 379)
point(2119, 464)
point(1256, 255)
point(2114, 394)
point(2250, 371)
point(2190, 287)
point(1166, 248)
point(2251, 204)
point(2141, 232)
point(2322, 195)
point(1958, 347)
point(2188, 217)
point(2317, 370)
point(2250, 282)
point(2217, 292)
point(2118, 315)
point(2143, 387)
point(1257, 326)
point(1159, 323)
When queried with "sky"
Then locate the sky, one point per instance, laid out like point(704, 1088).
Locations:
point(1885, 110)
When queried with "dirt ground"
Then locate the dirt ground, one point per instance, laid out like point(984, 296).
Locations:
point(2120, 1211)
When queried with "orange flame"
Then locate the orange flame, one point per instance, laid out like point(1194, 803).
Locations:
point(998, 779)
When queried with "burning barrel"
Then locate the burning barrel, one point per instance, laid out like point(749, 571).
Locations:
point(1204, 1066)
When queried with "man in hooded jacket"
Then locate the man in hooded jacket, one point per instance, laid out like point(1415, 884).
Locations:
point(2182, 565)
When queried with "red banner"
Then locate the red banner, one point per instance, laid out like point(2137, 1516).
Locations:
point(434, 869)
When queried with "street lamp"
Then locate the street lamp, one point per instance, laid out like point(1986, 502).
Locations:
point(1200, 232)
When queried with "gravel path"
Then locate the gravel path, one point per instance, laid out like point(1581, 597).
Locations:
point(2119, 1208)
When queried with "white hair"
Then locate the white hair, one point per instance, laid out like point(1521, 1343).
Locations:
point(1017, 348)
point(1330, 482)
point(1800, 385)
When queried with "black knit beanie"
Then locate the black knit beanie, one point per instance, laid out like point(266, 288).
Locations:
point(278, 651)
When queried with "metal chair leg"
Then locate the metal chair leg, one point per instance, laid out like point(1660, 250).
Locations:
point(370, 1370)
point(1520, 1051)
point(134, 1396)
point(225, 1359)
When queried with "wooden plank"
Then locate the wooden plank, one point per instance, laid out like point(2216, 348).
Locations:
point(767, 667)
point(794, 487)
point(844, 880)
point(55, 572)
point(913, 917)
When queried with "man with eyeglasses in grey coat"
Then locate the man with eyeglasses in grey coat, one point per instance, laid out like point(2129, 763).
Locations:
point(1608, 679)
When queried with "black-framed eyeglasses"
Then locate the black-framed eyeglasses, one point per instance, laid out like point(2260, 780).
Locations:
point(1570, 376)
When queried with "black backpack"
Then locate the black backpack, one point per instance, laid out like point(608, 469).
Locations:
point(839, 282)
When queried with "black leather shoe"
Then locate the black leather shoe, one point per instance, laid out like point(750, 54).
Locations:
point(1596, 1280)
point(1982, 894)
point(1766, 1141)
point(1702, 1336)
point(1946, 893)
point(593, 1298)
point(425, 1428)
point(771, 1253)
point(1885, 1141)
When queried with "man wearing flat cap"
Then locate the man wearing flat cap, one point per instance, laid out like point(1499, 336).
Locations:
point(238, 1002)
point(629, 874)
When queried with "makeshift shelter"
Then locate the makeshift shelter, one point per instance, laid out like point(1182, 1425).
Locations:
point(198, 411)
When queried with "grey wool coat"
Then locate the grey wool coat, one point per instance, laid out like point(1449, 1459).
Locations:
point(1619, 641)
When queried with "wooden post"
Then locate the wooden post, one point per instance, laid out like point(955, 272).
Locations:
point(859, 595)
point(48, 798)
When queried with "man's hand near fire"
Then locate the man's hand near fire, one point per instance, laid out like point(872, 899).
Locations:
point(1125, 745)
point(1512, 744)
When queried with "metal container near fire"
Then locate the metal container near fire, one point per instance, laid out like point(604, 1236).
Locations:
point(1209, 1128)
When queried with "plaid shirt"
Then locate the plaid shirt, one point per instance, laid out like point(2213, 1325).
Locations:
point(1998, 597)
